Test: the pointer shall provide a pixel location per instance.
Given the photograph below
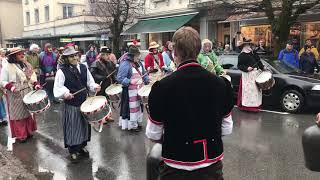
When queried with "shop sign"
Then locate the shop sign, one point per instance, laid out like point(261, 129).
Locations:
point(65, 40)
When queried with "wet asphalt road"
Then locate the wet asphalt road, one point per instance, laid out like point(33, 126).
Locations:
point(263, 146)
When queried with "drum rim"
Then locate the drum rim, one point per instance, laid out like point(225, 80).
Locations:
point(149, 85)
point(105, 117)
point(98, 109)
point(113, 85)
point(40, 90)
point(43, 109)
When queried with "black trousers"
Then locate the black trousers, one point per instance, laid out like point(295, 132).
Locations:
point(213, 172)
point(76, 148)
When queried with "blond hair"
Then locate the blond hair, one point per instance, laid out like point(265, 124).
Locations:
point(187, 43)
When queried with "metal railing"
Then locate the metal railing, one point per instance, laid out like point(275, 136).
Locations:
point(85, 13)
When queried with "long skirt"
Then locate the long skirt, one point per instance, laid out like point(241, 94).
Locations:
point(76, 129)
point(131, 111)
point(22, 123)
point(249, 95)
point(23, 128)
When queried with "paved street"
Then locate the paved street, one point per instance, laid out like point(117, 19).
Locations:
point(263, 146)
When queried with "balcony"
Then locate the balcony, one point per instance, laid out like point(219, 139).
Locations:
point(202, 3)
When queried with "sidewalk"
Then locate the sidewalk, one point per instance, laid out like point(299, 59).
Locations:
point(11, 167)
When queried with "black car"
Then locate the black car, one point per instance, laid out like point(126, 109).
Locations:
point(293, 89)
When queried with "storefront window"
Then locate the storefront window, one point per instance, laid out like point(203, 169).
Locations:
point(312, 31)
point(255, 33)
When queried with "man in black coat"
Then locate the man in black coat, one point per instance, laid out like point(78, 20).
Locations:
point(189, 113)
point(102, 68)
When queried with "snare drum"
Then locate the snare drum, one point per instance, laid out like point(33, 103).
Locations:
point(36, 101)
point(114, 92)
point(144, 92)
point(95, 109)
point(265, 80)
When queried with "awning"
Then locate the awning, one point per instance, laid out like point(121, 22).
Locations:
point(160, 24)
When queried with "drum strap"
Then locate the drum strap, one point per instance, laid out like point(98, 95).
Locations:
point(137, 69)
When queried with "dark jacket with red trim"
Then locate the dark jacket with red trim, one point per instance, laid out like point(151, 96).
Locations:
point(191, 103)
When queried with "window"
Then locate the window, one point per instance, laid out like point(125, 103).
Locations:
point(26, 2)
point(36, 16)
point(28, 18)
point(46, 11)
point(67, 11)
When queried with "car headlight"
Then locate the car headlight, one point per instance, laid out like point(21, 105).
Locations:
point(316, 88)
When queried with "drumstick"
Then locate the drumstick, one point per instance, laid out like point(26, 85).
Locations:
point(111, 74)
point(97, 91)
point(38, 89)
point(79, 91)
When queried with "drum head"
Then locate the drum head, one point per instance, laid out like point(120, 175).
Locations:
point(93, 104)
point(114, 89)
point(145, 90)
point(264, 77)
point(34, 97)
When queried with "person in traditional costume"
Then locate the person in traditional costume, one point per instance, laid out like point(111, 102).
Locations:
point(131, 74)
point(102, 68)
point(168, 57)
point(189, 114)
point(208, 59)
point(249, 95)
point(3, 119)
point(18, 78)
point(154, 62)
point(70, 78)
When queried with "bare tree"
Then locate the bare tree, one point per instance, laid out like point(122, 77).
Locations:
point(114, 15)
point(282, 14)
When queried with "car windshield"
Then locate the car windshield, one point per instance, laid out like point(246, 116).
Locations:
point(282, 67)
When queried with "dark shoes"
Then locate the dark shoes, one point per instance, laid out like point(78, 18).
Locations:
point(21, 141)
point(135, 130)
point(84, 153)
point(77, 157)
point(4, 123)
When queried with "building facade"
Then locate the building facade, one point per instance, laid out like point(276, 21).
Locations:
point(58, 22)
point(11, 21)
point(164, 17)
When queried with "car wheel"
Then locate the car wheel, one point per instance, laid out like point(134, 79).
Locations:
point(292, 101)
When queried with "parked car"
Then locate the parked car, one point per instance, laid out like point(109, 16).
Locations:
point(293, 90)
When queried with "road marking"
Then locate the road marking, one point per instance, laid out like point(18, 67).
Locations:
point(275, 112)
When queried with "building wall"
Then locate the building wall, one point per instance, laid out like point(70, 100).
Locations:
point(11, 20)
point(56, 21)
point(154, 6)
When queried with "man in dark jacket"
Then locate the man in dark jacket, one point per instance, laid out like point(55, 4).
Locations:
point(189, 111)
point(102, 68)
point(308, 61)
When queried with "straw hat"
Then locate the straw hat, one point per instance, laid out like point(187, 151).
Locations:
point(15, 51)
point(153, 45)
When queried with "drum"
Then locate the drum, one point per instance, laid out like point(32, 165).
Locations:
point(114, 92)
point(144, 92)
point(96, 109)
point(226, 77)
point(36, 101)
point(265, 80)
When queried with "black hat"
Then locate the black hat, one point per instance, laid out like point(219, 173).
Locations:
point(133, 50)
point(245, 41)
point(290, 42)
point(105, 49)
